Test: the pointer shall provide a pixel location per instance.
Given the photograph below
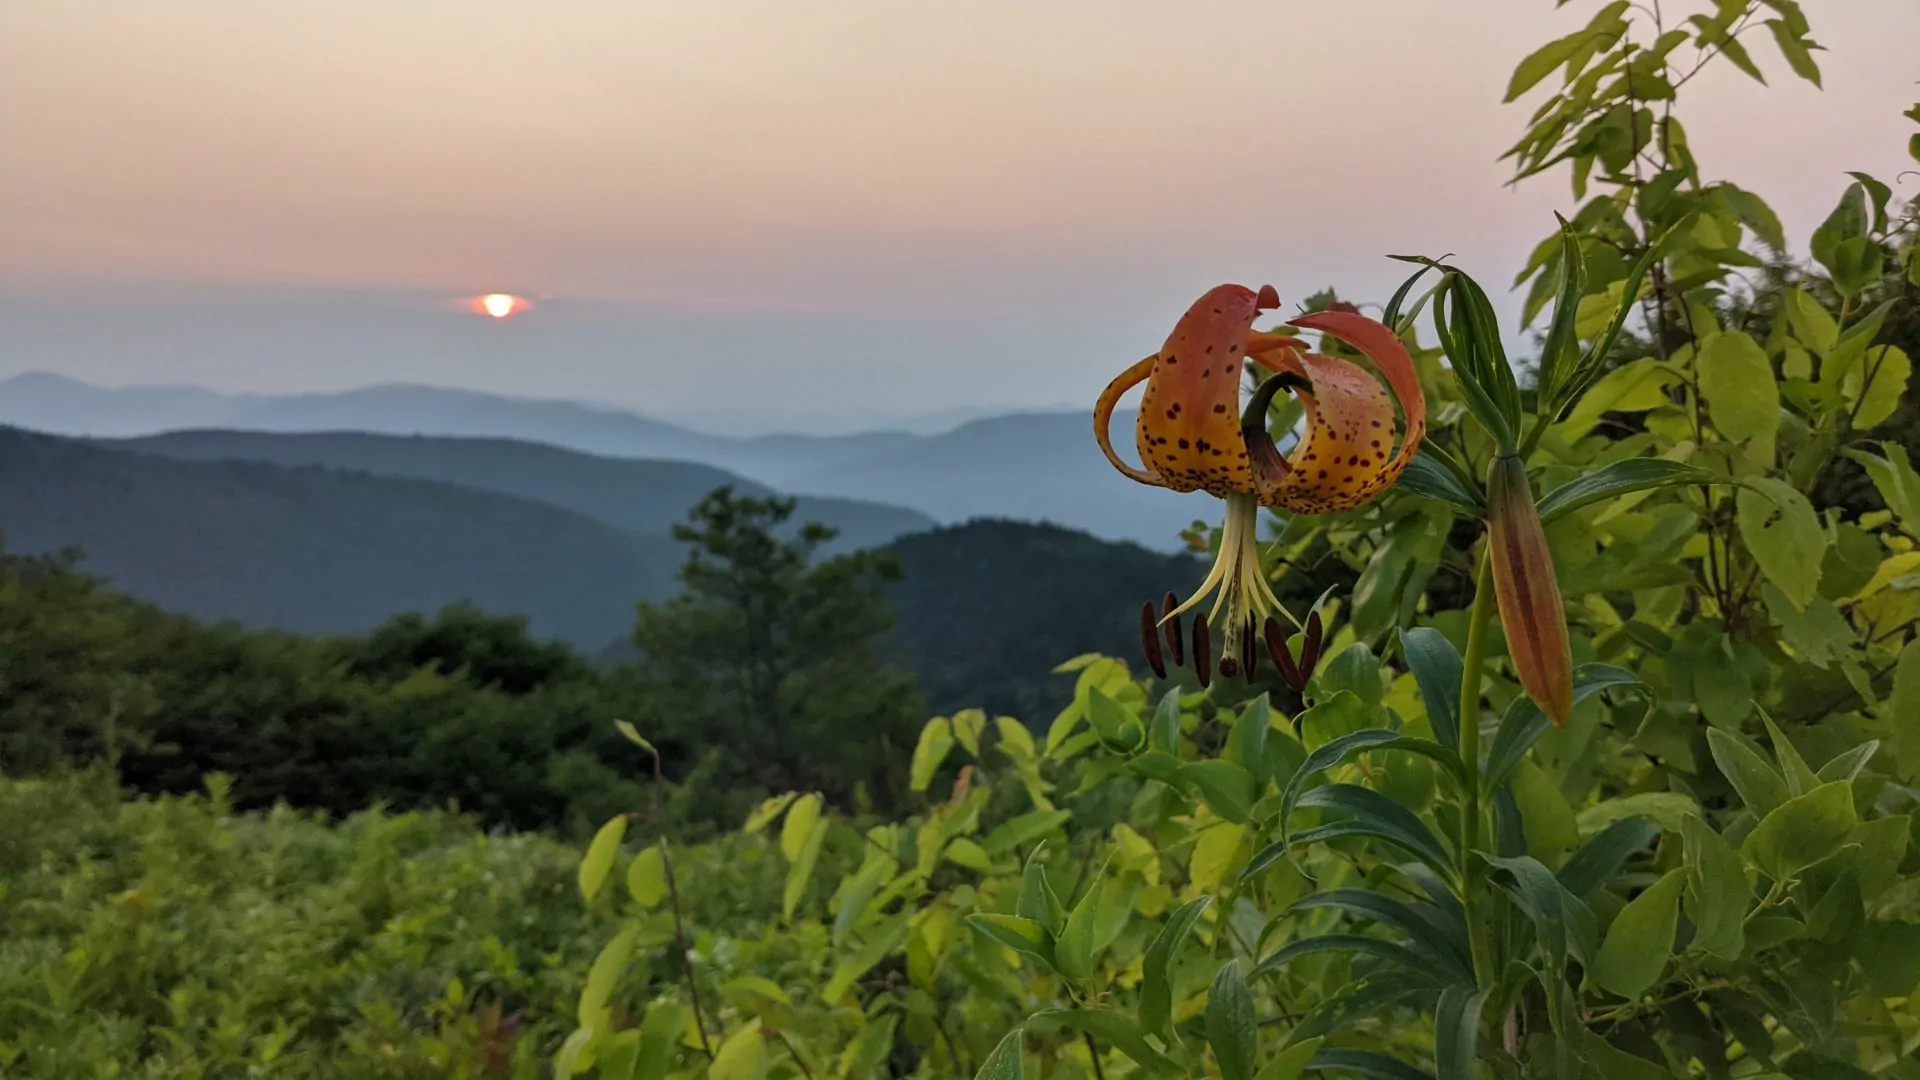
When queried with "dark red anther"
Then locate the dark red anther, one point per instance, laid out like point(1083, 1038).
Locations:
point(1249, 649)
point(1176, 648)
point(1150, 639)
point(1202, 651)
point(1310, 648)
point(1282, 656)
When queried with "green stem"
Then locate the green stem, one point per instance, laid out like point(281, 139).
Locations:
point(1483, 609)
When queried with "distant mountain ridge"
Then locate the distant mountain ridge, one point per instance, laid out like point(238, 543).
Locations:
point(1041, 466)
point(320, 550)
point(632, 494)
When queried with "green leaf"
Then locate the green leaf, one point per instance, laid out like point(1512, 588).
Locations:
point(800, 872)
point(1008, 1060)
point(1073, 952)
point(1232, 1030)
point(1799, 777)
point(647, 877)
point(1717, 890)
point(1015, 833)
point(1795, 50)
point(1614, 1063)
point(1228, 788)
point(1374, 815)
point(1436, 667)
point(1784, 535)
point(598, 862)
point(1811, 322)
point(1563, 924)
point(566, 1062)
point(1802, 831)
point(1024, 936)
point(1621, 478)
point(936, 740)
point(1247, 740)
point(764, 814)
point(1456, 1030)
point(1894, 477)
point(1429, 476)
point(1037, 900)
point(1641, 939)
point(1441, 936)
point(1818, 635)
point(1760, 785)
point(1290, 1063)
point(659, 1034)
point(1559, 351)
point(601, 977)
point(740, 1056)
point(1542, 61)
point(1889, 369)
point(1367, 1063)
point(1903, 709)
point(1523, 723)
point(1847, 764)
point(1589, 870)
point(1380, 948)
point(1156, 1001)
point(1112, 1029)
point(633, 736)
point(1163, 733)
point(1344, 748)
point(798, 828)
point(1111, 721)
point(1742, 397)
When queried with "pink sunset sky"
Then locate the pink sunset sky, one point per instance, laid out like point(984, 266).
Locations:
point(864, 207)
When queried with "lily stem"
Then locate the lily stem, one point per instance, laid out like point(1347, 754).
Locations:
point(1483, 609)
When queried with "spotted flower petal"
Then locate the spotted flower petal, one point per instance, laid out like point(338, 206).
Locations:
point(1354, 447)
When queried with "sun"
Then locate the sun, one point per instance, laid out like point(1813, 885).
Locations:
point(499, 305)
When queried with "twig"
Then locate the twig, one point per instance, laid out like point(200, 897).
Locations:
point(1093, 1049)
point(791, 1052)
point(686, 953)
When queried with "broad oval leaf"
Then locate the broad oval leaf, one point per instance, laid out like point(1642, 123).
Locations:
point(1228, 788)
point(1008, 1060)
point(1802, 831)
point(1641, 938)
point(598, 861)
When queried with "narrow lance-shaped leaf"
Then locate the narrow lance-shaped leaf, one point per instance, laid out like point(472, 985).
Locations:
point(1437, 669)
point(1156, 1002)
point(1620, 478)
point(1456, 1030)
point(1008, 1060)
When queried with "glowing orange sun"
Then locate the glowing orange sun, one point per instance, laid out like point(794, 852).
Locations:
point(498, 305)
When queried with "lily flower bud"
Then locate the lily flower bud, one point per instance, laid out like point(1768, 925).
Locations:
point(1531, 612)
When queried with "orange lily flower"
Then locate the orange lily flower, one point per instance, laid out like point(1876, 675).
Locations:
point(1192, 436)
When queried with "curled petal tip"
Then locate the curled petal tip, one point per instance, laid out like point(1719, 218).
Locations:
point(1268, 299)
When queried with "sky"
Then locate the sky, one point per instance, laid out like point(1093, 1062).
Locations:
point(772, 214)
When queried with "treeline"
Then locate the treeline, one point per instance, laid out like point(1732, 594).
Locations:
point(770, 671)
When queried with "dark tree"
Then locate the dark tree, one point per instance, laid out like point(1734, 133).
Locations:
point(778, 656)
